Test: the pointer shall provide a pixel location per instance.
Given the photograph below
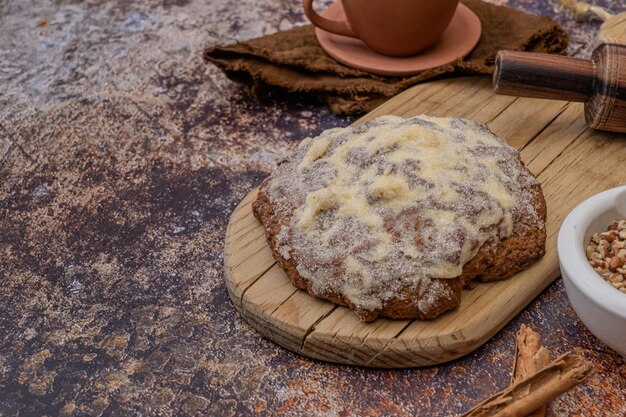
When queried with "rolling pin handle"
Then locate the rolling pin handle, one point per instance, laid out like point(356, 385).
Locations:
point(555, 77)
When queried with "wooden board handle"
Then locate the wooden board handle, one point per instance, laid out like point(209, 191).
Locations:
point(530, 74)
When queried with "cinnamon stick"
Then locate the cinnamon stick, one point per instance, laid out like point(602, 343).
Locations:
point(529, 358)
point(529, 394)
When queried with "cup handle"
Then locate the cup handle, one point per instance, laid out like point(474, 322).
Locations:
point(333, 26)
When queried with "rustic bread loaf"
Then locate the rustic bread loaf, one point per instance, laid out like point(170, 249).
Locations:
point(395, 216)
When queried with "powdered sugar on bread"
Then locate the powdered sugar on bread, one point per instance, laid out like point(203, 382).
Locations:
point(380, 207)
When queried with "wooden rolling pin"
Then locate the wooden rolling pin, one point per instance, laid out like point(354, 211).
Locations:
point(599, 82)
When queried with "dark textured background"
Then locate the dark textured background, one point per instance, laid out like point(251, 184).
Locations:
point(121, 157)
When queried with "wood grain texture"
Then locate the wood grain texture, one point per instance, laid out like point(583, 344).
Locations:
point(531, 74)
point(572, 163)
point(606, 109)
point(600, 82)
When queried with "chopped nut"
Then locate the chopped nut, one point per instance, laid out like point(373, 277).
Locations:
point(615, 263)
point(595, 238)
point(609, 236)
point(606, 253)
point(596, 257)
point(603, 248)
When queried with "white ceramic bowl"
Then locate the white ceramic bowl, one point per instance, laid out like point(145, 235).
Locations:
point(600, 306)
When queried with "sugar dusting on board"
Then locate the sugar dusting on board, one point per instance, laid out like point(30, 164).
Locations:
point(394, 202)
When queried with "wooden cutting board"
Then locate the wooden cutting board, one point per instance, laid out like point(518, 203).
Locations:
point(572, 163)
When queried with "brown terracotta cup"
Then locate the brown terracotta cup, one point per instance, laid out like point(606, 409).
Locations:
point(390, 27)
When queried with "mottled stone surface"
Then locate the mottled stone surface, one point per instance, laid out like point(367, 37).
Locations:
point(121, 157)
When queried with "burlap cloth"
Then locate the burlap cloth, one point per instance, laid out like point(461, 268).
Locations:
point(293, 60)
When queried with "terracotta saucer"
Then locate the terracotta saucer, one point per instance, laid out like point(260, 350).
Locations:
point(458, 40)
